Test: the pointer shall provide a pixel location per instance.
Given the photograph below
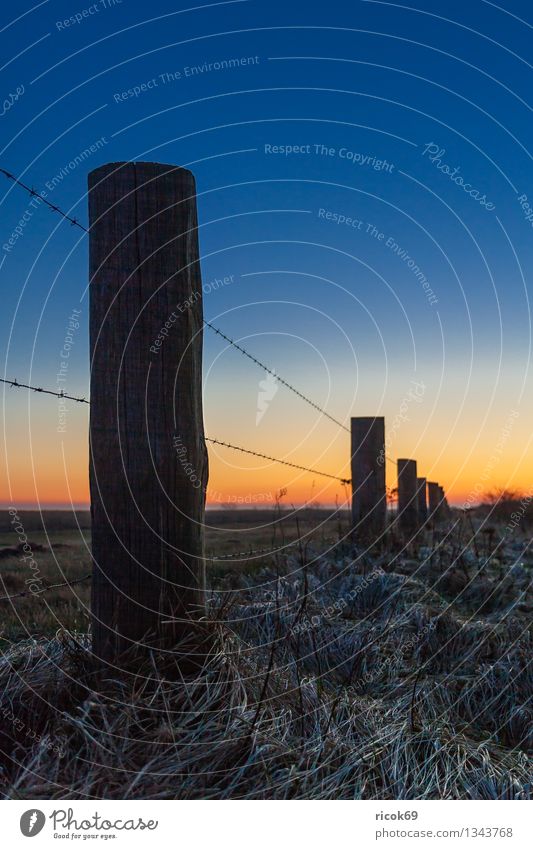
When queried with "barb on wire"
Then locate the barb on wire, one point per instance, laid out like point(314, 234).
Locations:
point(245, 353)
point(31, 191)
point(276, 460)
point(276, 375)
point(254, 551)
point(45, 589)
point(60, 394)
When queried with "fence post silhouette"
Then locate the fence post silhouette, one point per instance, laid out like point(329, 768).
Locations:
point(422, 501)
point(444, 509)
point(434, 500)
point(407, 497)
point(369, 503)
point(148, 461)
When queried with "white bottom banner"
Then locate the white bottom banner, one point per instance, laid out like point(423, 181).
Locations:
point(245, 824)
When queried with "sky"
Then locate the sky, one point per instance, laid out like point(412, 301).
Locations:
point(363, 183)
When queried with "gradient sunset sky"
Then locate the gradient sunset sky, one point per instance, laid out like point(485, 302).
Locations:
point(325, 249)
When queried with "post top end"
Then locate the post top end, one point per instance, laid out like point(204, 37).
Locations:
point(143, 170)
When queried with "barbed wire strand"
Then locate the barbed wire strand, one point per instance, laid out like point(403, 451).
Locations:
point(45, 589)
point(31, 191)
point(276, 460)
point(276, 375)
point(253, 551)
point(282, 381)
point(60, 394)
point(216, 330)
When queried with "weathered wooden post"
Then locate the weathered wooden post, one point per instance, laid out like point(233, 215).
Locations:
point(407, 497)
point(422, 501)
point(444, 510)
point(369, 502)
point(434, 500)
point(148, 461)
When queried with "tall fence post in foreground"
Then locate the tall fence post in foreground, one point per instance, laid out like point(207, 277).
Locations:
point(148, 461)
point(369, 502)
point(434, 500)
point(407, 497)
point(422, 501)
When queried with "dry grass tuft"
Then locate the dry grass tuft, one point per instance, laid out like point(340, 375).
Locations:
point(410, 681)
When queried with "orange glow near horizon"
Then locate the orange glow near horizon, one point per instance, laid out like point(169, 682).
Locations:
point(468, 457)
point(52, 484)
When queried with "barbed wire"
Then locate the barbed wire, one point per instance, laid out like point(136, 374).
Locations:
point(283, 382)
point(61, 394)
point(15, 384)
point(276, 375)
point(253, 551)
point(276, 460)
point(45, 589)
point(31, 191)
point(216, 330)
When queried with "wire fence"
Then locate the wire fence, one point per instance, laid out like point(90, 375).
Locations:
point(31, 191)
point(14, 383)
point(276, 375)
point(45, 589)
point(208, 324)
point(276, 460)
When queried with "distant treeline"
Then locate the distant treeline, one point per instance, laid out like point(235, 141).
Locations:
point(508, 505)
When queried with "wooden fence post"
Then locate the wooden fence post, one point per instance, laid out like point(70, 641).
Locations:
point(434, 500)
point(369, 502)
point(443, 504)
point(407, 497)
point(148, 461)
point(422, 501)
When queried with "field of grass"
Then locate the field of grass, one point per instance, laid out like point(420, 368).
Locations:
point(333, 673)
point(61, 553)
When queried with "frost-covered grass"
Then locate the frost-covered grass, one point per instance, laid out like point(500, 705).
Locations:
point(331, 675)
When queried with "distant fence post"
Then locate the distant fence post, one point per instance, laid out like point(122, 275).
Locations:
point(444, 509)
point(434, 500)
point(369, 502)
point(422, 501)
point(148, 461)
point(407, 497)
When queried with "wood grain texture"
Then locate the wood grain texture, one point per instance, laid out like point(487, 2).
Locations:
point(369, 504)
point(434, 499)
point(147, 506)
point(407, 497)
point(422, 500)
